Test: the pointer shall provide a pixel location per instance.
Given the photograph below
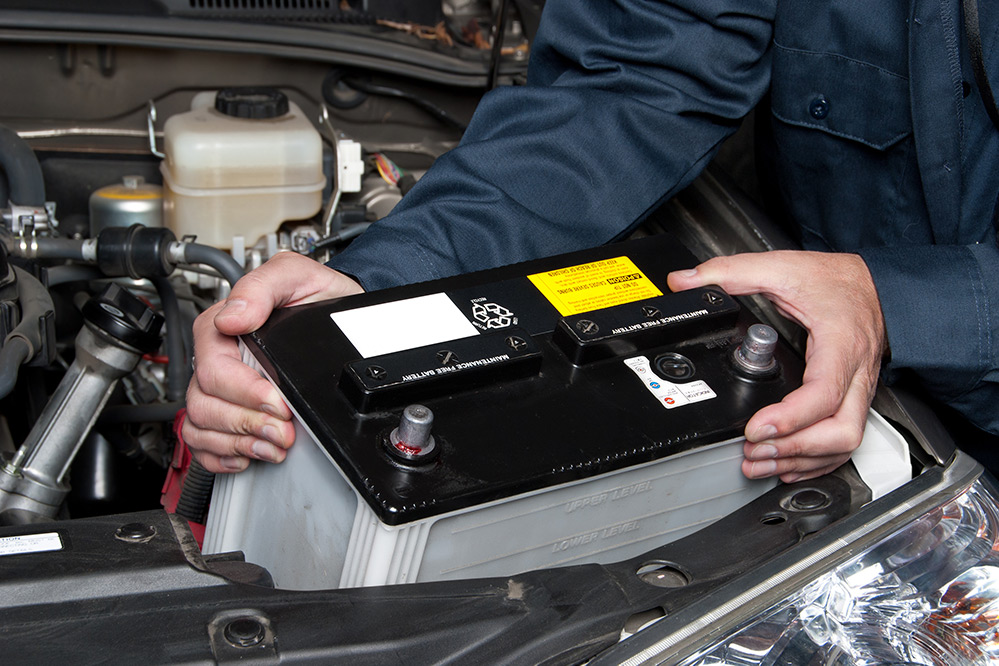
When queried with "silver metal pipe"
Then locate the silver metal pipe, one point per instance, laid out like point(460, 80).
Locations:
point(34, 479)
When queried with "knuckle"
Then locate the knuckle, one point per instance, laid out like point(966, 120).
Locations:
point(205, 322)
point(854, 436)
point(246, 424)
point(195, 418)
point(189, 432)
point(830, 396)
point(794, 449)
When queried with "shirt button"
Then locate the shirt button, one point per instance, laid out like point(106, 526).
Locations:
point(819, 107)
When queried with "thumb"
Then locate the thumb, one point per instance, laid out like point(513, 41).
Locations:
point(685, 279)
point(285, 279)
point(237, 316)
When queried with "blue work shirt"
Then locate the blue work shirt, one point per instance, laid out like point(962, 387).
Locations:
point(877, 151)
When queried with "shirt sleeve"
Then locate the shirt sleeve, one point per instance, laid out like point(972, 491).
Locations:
point(941, 308)
point(625, 103)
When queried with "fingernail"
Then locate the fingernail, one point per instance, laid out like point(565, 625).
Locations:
point(689, 272)
point(233, 306)
point(790, 478)
point(272, 410)
point(272, 434)
point(266, 451)
point(234, 463)
point(763, 432)
point(763, 469)
point(763, 452)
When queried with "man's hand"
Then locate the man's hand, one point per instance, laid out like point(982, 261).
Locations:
point(815, 428)
point(233, 413)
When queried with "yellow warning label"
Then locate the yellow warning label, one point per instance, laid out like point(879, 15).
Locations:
point(596, 285)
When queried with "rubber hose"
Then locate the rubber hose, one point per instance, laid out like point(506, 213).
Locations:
point(196, 493)
point(26, 339)
point(178, 374)
point(58, 248)
point(72, 273)
point(345, 235)
point(25, 183)
point(15, 352)
point(153, 412)
point(195, 253)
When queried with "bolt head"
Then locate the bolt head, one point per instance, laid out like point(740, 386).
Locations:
point(244, 632)
point(135, 533)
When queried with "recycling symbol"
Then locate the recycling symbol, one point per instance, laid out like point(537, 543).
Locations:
point(492, 315)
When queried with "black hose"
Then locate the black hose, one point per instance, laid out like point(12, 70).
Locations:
point(195, 253)
point(369, 88)
point(196, 493)
point(178, 374)
point(58, 248)
point(154, 412)
point(496, 57)
point(25, 183)
point(26, 340)
point(13, 354)
point(343, 236)
point(333, 93)
point(62, 274)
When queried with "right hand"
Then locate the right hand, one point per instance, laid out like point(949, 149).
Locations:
point(234, 414)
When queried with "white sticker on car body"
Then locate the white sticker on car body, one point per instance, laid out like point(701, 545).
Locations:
point(30, 543)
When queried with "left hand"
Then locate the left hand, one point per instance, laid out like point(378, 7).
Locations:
point(815, 428)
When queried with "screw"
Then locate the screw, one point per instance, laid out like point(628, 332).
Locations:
point(516, 343)
point(447, 357)
point(244, 632)
point(713, 298)
point(375, 372)
point(135, 533)
point(586, 326)
point(663, 574)
point(809, 500)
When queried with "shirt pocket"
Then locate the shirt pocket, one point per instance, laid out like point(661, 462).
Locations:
point(845, 163)
point(840, 96)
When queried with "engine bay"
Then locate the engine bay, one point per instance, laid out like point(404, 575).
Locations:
point(88, 152)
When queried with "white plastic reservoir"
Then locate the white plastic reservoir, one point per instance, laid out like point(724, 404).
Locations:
point(239, 163)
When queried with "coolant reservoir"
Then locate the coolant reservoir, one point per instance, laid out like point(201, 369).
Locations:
point(240, 163)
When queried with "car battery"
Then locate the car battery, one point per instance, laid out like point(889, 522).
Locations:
point(568, 410)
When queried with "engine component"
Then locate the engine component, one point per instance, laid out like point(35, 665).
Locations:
point(119, 329)
point(133, 201)
point(556, 439)
point(33, 337)
point(240, 163)
point(24, 183)
point(136, 251)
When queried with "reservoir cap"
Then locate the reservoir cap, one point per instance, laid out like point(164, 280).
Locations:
point(256, 103)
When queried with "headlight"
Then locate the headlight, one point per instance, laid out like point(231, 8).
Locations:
point(927, 594)
point(912, 578)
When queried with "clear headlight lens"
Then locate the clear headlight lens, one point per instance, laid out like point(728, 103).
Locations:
point(927, 594)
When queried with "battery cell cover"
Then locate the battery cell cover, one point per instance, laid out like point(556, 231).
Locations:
point(582, 412)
